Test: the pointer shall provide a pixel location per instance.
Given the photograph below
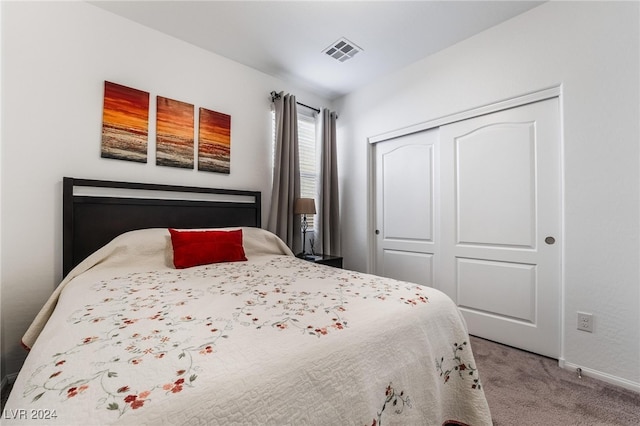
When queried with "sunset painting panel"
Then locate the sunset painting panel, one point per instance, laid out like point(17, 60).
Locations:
point(125, 123)
point(214, 142)
point(174, 133)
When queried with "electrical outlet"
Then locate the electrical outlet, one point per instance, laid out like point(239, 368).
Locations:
point(585, 322)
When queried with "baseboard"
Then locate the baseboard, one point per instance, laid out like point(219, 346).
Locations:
point(614, 380)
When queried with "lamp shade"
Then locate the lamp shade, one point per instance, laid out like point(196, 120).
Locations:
point(304, 206)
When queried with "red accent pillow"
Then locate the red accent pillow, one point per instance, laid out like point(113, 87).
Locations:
point(193, 248)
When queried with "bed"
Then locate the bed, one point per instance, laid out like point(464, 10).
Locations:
point(129, 338)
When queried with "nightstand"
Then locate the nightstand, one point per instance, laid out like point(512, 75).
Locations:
point(325, 259)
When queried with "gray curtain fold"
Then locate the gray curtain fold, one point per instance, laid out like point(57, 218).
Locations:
point(286, 173)
point(328, 200)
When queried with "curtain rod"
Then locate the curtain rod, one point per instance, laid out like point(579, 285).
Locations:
point(275, 96)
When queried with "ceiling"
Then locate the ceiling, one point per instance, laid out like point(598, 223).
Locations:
point(285, 39)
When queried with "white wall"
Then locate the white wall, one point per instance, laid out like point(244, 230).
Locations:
point(55, 58)
point(592, 50)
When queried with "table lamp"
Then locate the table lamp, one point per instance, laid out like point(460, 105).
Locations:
point(304, 206)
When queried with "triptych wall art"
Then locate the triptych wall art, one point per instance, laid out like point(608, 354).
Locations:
point(125, 134)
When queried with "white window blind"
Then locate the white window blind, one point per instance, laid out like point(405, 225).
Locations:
point(308, 158)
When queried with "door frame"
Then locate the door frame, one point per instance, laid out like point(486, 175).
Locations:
point(517, 101)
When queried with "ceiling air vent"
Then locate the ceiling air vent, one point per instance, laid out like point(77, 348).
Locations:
point(342, 50)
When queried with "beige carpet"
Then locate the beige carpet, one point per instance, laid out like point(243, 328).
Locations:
point(525, 389)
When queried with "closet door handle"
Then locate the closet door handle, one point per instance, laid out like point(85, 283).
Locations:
point(550, 240)
point(377, 232)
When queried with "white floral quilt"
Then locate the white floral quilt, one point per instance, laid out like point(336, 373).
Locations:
point(274, 340)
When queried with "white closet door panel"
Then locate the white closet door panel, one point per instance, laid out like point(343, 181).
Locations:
point(408, 193)
point(500, 196)
point(495, 192)
point(407, 266)
point(512, 287)
point(405, 215)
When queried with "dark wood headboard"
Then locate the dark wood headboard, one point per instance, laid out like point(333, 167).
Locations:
point(96, 211)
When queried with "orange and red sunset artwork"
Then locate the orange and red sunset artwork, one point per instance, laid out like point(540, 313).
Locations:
point(214, 142)
point(125, 123)
point(174, 133)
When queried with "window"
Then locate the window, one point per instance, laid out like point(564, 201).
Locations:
point(308, 158)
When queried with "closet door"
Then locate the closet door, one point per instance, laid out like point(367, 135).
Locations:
point(405, 214)
point(501, 224)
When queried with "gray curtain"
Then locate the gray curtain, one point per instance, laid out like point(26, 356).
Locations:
point(286, 173)
point(329, 209)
